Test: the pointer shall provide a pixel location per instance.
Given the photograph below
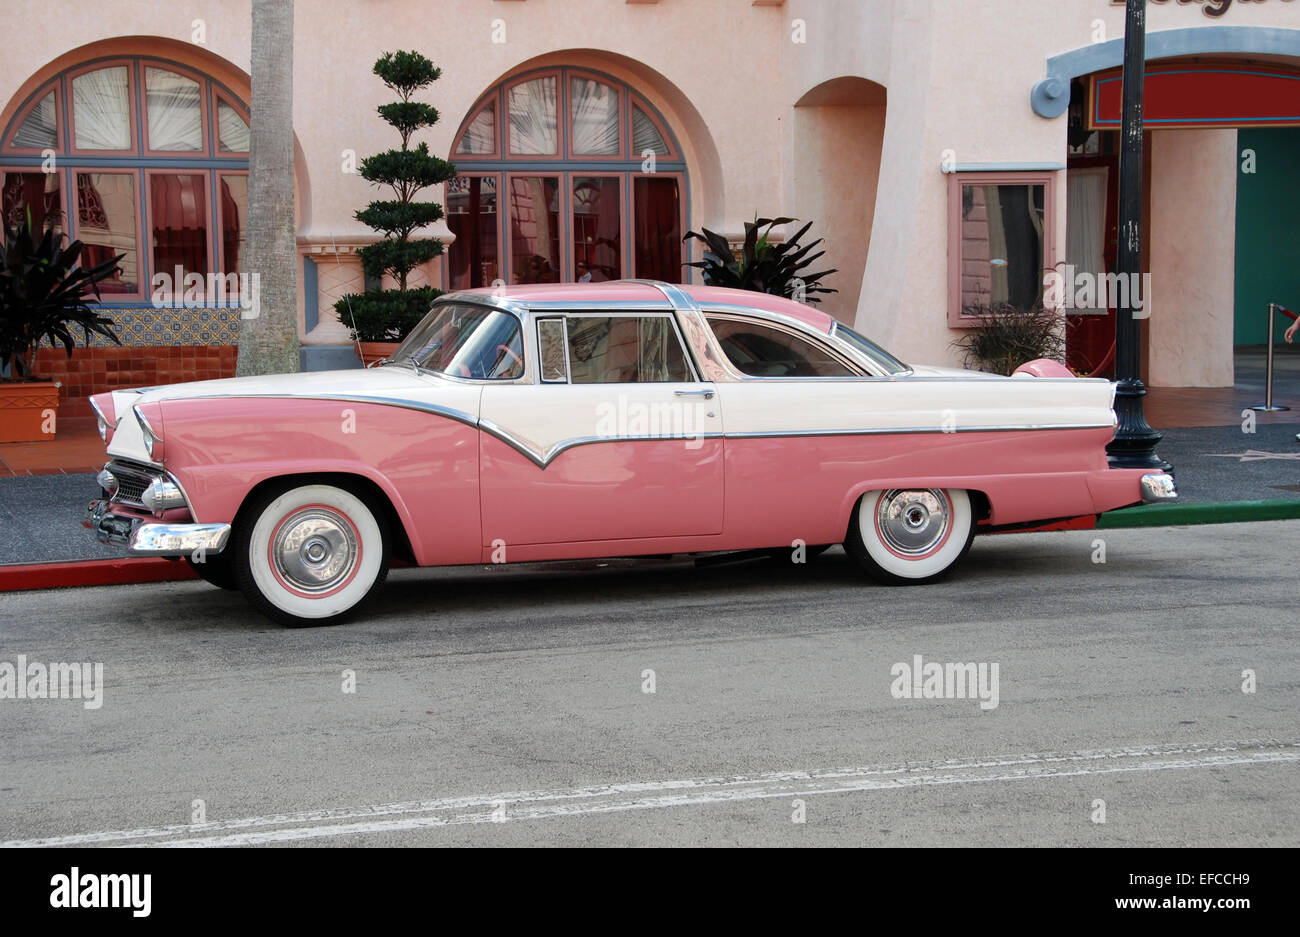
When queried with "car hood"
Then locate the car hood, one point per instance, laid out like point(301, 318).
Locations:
point(378, 381)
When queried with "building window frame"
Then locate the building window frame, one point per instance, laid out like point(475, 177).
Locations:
point(210, 161)
point(627, 165)
point(957, 181)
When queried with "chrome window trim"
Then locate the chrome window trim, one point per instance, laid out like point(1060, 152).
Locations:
point(835, 327)
point(564, 338)
point(516, 309)
point(832, 351)
point(603, 311)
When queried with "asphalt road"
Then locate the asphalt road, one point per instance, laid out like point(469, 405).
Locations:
point(508, 705)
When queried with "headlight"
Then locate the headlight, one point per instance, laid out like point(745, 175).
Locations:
point(103, 427)
point(151, 439)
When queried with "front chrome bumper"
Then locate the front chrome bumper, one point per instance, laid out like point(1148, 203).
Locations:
point(145, 539)
point(1158, 486)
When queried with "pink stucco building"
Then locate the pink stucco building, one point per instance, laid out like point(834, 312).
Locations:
point(951, 152)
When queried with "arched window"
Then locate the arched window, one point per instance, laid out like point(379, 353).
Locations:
point(565, 175)
point(137, 156)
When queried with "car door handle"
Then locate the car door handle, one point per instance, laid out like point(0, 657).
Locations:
point(706, 394)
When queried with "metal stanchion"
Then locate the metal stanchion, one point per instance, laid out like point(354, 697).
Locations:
point(1268, 366)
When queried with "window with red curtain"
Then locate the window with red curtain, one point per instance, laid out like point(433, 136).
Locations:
point(658, 235)
point(178, 223)
point(592, 184)
point(106, 120)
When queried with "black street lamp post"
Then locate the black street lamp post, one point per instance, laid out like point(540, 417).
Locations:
point(1134, 445)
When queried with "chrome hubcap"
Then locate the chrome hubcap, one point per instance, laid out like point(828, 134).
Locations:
point(912, 522)
point(315, 550)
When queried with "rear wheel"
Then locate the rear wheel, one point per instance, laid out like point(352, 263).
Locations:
point(311, 554)
point(910, 535)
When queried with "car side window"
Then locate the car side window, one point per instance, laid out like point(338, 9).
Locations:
point(760, 350)
point(596, 349)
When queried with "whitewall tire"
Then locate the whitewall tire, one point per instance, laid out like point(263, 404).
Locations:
point(911, 535)
point(309, 555)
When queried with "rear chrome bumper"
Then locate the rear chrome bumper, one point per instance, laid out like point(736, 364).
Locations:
point(146, 539)
point(1158, 486)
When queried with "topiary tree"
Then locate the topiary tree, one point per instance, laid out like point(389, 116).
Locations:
point(387, 315)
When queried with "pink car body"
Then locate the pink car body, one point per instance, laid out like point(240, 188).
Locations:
point(611, 419)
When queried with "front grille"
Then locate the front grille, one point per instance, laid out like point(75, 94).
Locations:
point(132, 480)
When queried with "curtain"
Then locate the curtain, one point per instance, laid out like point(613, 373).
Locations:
point(534, 225)
point(480, 136)
point(645, 135)
point(234, 205)
point(231, 129)
point(532, 117)
point(594, 106)
point(178, 217)
point(39, 130)
point(34, 192)
point(172, 103)
point(657, 238)
point(101, 109)
point(597, 249)
point(1085, 206)
point(106, 209)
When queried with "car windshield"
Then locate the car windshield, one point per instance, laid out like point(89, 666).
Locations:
point(863, 345)
point(464, 340)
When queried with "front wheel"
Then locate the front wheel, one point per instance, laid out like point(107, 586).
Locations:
point(910, 535)
point(216, 570)
point(309, 555)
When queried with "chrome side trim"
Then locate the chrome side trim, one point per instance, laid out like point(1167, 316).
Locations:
point(544, 458)
point(914, 430)
point(460, 416)
point(177, 539)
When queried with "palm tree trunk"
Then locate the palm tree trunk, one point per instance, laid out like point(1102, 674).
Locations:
point(268, 342)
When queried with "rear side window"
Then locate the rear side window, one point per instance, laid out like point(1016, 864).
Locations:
point(596, 349)
point(760, 350)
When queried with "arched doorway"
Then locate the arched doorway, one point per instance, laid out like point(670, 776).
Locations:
point(566, 175)
point(839, 131)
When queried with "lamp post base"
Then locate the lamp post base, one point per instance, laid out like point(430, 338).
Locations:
point(1134, 445)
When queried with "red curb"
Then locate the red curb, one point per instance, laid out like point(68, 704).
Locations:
point(92, 573)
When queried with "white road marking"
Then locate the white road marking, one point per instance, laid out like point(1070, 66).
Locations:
point(686, 792)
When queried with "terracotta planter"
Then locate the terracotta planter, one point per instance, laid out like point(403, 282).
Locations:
point(371, 352)
point(27, 410)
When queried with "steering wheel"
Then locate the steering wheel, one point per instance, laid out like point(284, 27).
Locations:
point(505, 350)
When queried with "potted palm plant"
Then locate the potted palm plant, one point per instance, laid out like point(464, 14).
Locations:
point(763, 266)
point(44, 295)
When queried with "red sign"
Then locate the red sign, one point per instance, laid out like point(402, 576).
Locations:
point(1201, 96)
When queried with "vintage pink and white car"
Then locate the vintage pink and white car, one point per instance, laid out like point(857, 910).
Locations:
point(620, 419)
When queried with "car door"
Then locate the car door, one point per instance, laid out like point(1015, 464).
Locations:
point(793, 425)
point(616, 439)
